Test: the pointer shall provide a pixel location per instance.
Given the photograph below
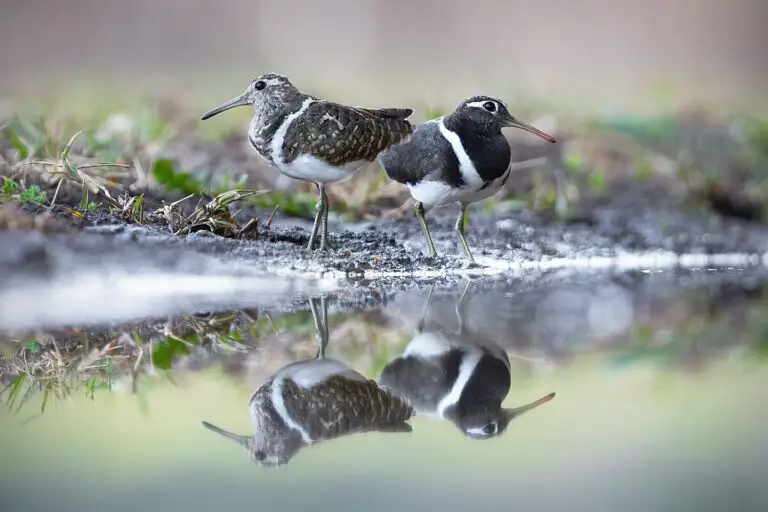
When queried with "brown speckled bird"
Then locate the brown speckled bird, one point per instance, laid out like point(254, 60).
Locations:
point(315, 400)
point(311, 139)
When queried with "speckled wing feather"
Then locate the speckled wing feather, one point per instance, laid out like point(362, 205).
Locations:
point(340, 134)
point(426, 155)
point(341, 406)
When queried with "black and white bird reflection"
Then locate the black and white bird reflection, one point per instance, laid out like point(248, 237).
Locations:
point(456, 377)
point(315, 400)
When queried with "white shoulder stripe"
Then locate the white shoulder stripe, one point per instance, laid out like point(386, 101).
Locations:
point(466, 167)
point(467, 366)
point(279, 404)
point(279, 138)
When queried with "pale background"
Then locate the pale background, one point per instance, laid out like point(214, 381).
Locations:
point(601, 51)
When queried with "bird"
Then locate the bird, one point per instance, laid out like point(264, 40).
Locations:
point(462, 158)
point(315, 400)
point(314, 140)
point(455, 377)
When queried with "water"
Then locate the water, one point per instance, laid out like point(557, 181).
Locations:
point(657, 376)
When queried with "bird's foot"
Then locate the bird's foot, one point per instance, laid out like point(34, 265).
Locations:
point(327, 245)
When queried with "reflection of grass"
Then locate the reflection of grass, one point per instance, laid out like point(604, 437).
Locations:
point(51, 375)
point(39, 368)
point(85, 364)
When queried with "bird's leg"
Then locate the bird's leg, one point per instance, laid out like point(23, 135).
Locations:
point(461, 307)
point(318, 213)
point(321, 325)
point(423, 317)
point(460, 231)
point(324, 244)
point(423, 221)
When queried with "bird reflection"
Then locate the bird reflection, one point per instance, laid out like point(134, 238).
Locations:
point(315, 400)
point(456, 376)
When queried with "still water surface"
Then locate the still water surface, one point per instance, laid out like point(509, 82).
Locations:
point(658, 378)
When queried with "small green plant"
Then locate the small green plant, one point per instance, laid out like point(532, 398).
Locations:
point(757, 135)
point(32, 134)
point(31, 345)
point(137, 210)
point(9, 187)
point(173, 347)
point(33, 195)
point(643, 170)
point(229, 182)
point(597, 182)
point(295, 204)
point(573, 164)
point(165, 173)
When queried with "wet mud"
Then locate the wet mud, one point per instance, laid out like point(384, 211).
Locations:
point(377, 248)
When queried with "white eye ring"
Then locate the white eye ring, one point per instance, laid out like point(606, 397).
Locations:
point(490, 106)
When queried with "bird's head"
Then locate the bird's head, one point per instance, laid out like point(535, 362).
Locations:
point(491, 421)
point(266, 93)
point(491, 114)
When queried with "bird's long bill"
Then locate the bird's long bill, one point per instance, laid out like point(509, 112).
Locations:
point(513, 122)
point(517, 411)
point(234, 102)
point(241, 440)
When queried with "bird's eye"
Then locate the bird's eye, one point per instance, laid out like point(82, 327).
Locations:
point(489, 106)
point(259, 455)
point(489, 429)
point(260, 85)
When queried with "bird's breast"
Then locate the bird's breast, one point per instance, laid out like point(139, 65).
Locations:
point(262, 146)
point(312, 168)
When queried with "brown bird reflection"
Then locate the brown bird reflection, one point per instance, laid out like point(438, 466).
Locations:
point(456, 377)
point(316, 400)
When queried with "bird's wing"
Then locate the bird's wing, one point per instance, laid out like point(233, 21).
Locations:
point(341, 134)
point(423, 381)
point(425, 155)
point(341, 406)
point(387, 113)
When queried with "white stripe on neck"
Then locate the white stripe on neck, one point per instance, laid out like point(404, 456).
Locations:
point(466, 167)
point(467, 366)
point(278, 402)
point(279, 138)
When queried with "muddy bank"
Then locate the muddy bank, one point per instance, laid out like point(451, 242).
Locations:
point(386, 246)
point(107, 269)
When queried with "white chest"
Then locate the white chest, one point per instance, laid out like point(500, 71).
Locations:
point(317, 170)
point(437, 193)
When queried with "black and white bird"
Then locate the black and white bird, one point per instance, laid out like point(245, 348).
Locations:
point(315, 400)
point(456, 377)
point(314, 140)
point(459, 158)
